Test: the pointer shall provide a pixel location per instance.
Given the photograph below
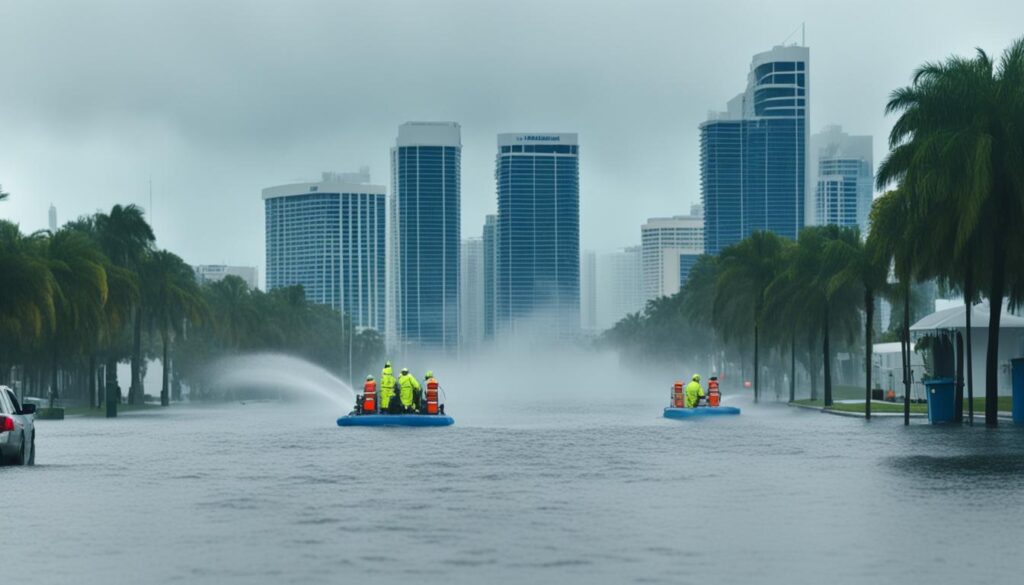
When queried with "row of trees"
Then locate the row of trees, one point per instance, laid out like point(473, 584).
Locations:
point(76, 302)
point(956, 163)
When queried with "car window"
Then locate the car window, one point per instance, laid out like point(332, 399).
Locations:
point(14, 401)
point(5, 403)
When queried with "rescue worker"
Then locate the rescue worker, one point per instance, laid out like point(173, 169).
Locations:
point(693, 392)
point(387, 388)
point(368, 401)
point(408, 386)
point(417, 397)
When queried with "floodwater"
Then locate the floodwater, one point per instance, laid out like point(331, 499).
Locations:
point(601, 491)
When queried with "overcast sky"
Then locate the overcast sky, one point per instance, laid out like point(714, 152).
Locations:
point(213, 100)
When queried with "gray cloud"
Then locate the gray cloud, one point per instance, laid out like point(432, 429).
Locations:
point(215, 100)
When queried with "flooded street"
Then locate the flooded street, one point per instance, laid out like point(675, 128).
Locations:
point(276, 493)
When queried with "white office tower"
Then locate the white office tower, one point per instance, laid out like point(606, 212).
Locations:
point(471, 294)
point(588, 291)
point(216, 272)
point(53, 218)
point(618, 286)
point(842, 176)
point(670, 247)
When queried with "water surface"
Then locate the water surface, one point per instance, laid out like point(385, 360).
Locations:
point(598, 492)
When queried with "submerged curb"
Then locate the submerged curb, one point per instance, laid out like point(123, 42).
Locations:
point(824, 410)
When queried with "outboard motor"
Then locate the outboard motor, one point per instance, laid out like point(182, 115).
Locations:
point(432, 405)
point(677, 395)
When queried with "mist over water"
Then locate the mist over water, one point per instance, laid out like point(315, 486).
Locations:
point(284, 374)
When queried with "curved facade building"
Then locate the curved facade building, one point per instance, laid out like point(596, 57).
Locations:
point(329, 237)
point(754, 155)
point(538, 235)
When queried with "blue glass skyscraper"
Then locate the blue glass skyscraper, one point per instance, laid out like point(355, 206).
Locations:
point(754, 156)
point(538, 235)
point(329, 236)
point(425, 234)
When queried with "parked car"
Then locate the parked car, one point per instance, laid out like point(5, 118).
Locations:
point(17, 430)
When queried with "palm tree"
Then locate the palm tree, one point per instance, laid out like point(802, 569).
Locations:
point(958, 144)
point(171, 297)
point(125, 238)
point(3, 195)
point(81, 292)
point(747, 268)
point(898, 242)
point(27, 296)
point(812, 271)
point(861, 267)
point(784, 311)
point(231, 299)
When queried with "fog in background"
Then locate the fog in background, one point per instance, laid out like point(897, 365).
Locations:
point(213, 101)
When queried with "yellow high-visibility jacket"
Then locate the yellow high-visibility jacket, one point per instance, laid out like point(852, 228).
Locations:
point(406, 385)
point(693, 391)
point(387, 387)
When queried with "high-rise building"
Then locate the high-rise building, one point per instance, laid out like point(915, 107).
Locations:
point(588, 291)
point(490, 237)
point(753, 157)
point(670, 246)
point(842, 175)
point(329, 236)
point(538, 235)
point(425, 240)
point(216, 272)
point(53, 218)
point(471, 303)
point(618, 286)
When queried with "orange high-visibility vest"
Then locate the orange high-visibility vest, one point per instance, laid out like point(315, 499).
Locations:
point(714, 396)
point(432, 396)
point(677, 395)
point(370, 396)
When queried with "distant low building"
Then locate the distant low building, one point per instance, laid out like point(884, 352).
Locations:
point(216, 272)
point(670, 247)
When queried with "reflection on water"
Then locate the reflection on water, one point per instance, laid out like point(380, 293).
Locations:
point(586, 491)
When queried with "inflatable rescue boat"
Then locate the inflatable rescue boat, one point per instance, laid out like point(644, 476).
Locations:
point(700, 411)
point(396, 420)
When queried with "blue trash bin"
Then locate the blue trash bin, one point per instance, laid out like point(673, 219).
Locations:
point(941, 400)
point(1018, 390)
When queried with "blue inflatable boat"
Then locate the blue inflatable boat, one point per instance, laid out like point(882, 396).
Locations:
point(396, 420)
point(700, 411)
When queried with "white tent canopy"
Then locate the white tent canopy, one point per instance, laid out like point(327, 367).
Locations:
point(956, 318)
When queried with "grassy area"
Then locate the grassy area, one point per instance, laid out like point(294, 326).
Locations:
point(875, 406)
point(1005, 403)
point(979, 405)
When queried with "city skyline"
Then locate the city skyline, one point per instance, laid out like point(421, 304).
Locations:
point(244, 125)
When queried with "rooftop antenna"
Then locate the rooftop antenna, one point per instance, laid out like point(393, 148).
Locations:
point(803, 34)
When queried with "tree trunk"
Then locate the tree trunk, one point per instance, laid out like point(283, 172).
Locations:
point(792, 367)
point(906, 355)
point(869, 348)
point(164, 389)
point(92, 380)
point(968, 295)
point(756, 364)
point(958, 406)
point(53, 372)
point(812, 372)
point(113, 393)
point(826, 360)
point(995, 300)
point(135, 389)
